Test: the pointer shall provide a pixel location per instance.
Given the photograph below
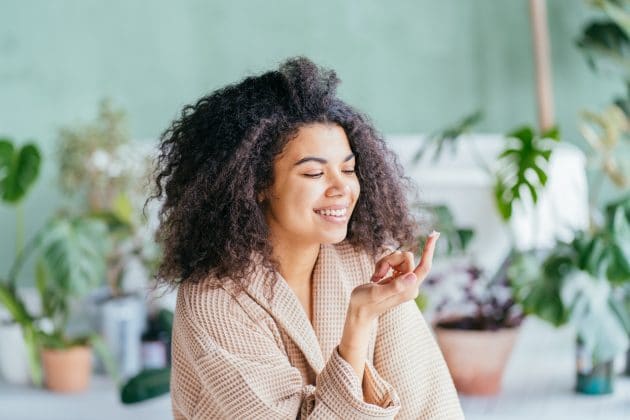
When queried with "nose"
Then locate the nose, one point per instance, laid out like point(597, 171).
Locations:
point(338, 187)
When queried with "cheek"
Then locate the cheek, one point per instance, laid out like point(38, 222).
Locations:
point(356, 190)
point(301, 199)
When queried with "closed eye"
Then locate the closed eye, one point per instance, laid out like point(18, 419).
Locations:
point(318, 175)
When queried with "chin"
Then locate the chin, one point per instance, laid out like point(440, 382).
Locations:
point(334, 239)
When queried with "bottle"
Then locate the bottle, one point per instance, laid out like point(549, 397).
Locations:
point(154, 348)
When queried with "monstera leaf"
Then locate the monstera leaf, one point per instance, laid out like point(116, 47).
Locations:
point(537, 289)
point(593, 314)
point(73, 253)
point(19, 169)
point(522, 168)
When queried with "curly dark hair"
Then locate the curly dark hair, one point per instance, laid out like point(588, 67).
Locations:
point(219, 154)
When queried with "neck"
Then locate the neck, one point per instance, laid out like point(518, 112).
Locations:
point(296, 262)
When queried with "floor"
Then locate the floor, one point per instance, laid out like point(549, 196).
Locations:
point(537, 385)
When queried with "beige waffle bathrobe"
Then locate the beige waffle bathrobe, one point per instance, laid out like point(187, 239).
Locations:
point(238, 356)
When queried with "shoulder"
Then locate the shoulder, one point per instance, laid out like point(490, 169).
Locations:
point(214, 307)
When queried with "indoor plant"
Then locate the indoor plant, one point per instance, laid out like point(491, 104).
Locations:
point(474, 317)
point(70, 254)
point(577, 284)
point(19, 170)
point(481, 309)
point(582, 281)
point(104, 174)
point(604, 42)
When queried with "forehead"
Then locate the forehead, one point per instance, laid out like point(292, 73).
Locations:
point(327, 141)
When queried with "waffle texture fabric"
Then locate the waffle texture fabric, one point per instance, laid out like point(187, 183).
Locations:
point(244, 356)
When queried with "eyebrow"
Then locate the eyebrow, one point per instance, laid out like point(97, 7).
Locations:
point(320, 160)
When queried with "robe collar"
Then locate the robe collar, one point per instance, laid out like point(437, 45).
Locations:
point(331, 294)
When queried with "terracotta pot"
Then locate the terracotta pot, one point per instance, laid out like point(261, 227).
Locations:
point(476, 359)
point(67, 370)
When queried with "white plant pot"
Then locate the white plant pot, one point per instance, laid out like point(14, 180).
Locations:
point(122, 321)
point(13, 355)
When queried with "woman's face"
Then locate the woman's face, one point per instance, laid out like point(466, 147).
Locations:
point(315, 187)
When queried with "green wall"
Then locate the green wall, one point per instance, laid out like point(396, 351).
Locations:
point(413, 66)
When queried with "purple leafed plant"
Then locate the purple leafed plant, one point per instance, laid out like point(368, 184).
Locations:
point(463, 297)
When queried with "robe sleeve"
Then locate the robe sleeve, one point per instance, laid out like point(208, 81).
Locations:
point(407, 356)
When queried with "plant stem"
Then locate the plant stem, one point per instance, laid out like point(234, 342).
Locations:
point(20, 259)
point(19, 229)
point(597, 186)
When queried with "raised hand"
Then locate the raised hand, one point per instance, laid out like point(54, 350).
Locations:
point(369, 300)
point(382, 293)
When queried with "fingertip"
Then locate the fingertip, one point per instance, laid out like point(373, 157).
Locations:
point(409, 277)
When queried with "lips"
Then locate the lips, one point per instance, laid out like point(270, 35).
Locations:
point(333, 207)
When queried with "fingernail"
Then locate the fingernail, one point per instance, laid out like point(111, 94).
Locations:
point(435, 234)
point(410, 277)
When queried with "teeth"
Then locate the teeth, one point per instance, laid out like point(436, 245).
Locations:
point(328, 212)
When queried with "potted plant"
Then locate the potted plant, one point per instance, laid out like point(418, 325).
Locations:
point(480, 308)
point(104, 173)
point(474, 317)
point(604, 42)
point(577, 284)
point(19, 169)
point(70, 254)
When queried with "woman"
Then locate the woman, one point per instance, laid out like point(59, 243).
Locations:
point(279, 201)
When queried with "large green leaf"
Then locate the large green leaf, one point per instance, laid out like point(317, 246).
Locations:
point(522, 168)
point(33, 345)
point(6, 156)
point(74, 253)
point(617, 10)
point(537, 291)
point(19, 169)
point(12, 302)
point(597, 324)
point(619, 250)
point(108, 359)
point(607, 41)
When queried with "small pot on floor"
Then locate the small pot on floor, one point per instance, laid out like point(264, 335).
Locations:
point(592, 377)
point(67, 370)
point(476, 359)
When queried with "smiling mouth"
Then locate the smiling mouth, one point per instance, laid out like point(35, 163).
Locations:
point(340, 213)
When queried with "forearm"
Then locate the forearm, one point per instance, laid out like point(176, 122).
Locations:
point(354, 343)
